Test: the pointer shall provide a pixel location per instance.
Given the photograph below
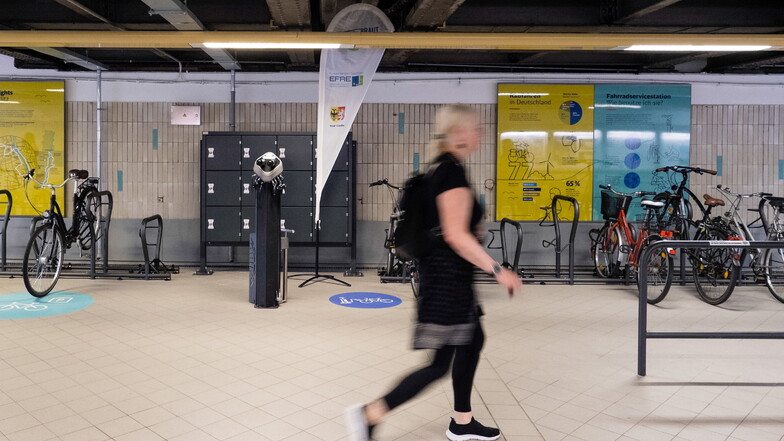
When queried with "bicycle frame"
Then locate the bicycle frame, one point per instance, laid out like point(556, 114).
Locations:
point(628, 235)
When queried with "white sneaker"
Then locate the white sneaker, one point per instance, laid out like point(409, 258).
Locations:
point(356, 424)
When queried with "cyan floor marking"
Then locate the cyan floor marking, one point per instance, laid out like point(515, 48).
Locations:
point(24, 305)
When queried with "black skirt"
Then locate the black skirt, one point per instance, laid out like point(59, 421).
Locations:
point(447, 311)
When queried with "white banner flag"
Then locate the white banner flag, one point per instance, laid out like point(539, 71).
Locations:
point(344, 79)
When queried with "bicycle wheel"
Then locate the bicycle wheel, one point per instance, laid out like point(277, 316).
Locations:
point(774, 272)
point(43, 260)
point(93, 204)
point(413, 277)
point(714, 268)
point(605, 253)
point(659, 273)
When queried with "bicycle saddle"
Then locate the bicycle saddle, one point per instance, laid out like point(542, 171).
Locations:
point(712, 202)
point(647, 203)
point(79, 174)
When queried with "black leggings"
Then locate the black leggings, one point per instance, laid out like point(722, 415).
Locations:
point(466, 358)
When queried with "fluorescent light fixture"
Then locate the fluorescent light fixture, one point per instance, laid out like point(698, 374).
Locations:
point(527, 94)
point(622, 106)
point(696, 47)
point(261, 45)
point(9, 102)
point(523, 135)
point(55, 90)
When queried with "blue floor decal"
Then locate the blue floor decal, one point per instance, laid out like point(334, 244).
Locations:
point(23, 305)
point(365, 300)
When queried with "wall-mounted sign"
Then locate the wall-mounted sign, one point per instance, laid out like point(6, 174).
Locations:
point(545, 148)
point(32, 124)
point(185, 115)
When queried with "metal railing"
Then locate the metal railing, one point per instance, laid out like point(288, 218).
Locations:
point(643, 334)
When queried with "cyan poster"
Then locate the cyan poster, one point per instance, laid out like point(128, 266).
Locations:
point(637, 129)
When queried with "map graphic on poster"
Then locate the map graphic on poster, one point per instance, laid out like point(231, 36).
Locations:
point(639, 128)
point(545, 148)
point(32, 122)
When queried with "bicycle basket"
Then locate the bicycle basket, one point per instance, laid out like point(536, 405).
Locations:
point(612, 204)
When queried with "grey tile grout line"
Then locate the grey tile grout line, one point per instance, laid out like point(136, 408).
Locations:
point(510, 391)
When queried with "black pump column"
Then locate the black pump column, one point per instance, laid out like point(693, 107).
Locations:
point(265, 249)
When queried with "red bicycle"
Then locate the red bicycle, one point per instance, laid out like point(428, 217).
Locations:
point(619, 244)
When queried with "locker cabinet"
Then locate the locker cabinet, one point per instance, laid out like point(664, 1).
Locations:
point(228, 198)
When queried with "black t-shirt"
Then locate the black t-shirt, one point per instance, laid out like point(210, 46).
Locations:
point(448, 175)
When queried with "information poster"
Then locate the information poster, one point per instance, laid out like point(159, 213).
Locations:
point(32, 123)
point(639, 128)
point(545, 148)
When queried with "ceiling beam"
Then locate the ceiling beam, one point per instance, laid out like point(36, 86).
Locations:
point(431, 13)
point(399, 40)
point(71, 57)
point(661, 4)
point(89, 13)
point(183, 19)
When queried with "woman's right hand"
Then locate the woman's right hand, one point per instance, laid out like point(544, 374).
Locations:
point(509, 280)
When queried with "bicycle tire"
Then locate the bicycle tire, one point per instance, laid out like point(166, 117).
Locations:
point(774, 272)
point(659, 273)
point(604, 260)
point(43, 260)
point(715, 272)
point(413, 277)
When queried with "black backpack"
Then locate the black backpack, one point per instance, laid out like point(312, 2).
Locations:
point(413, 239)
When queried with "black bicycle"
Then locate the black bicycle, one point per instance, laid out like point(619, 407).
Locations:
point(678, 213)
point(396, 267)
point(45, 251)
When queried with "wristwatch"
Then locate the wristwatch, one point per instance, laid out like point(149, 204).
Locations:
point(496, 269)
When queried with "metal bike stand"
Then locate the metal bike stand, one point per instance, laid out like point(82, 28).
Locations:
point(572, 233)
point(105, 207)
point(284, 258)
point(155, 223)
point(9, 202)
point(643, 334)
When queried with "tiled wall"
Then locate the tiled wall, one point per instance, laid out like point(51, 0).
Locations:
point(750, 139)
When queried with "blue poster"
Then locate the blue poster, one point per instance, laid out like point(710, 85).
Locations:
point(637, 129)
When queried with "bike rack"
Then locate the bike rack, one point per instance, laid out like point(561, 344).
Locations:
point(154, 223)
point(572, 233)
point(643, 334)
point(9, 202)
point(518, 248)
point(105, 207)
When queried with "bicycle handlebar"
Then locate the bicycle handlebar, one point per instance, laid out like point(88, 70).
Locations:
point(726, 190)
point(684, 169)
point(636, 194)
point(384, 182)
point(72, 175)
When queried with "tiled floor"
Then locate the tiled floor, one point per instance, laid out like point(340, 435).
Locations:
point(192, 360)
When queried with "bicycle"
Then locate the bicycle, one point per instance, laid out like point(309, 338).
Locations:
point(677, 213)
point(620, 244)
point(45, 251)
point(760, 260)
point(715, 269)
point(395, 266)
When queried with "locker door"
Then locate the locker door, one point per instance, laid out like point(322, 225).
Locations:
point(299, 219)
point(335, 192)
point(299, 189)
point(334, 224)
point(222, 188)
point(221, 152)
point(254, 146)
point(223, 224)
point(296, 151)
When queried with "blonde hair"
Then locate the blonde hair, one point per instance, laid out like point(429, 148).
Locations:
point(447, 118)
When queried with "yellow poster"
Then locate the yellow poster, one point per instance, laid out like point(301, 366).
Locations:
point(545, 148)
point(32, 122)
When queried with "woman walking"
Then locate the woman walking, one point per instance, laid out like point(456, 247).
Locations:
point(448, 314)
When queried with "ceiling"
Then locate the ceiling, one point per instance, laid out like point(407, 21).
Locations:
point(682, 19)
